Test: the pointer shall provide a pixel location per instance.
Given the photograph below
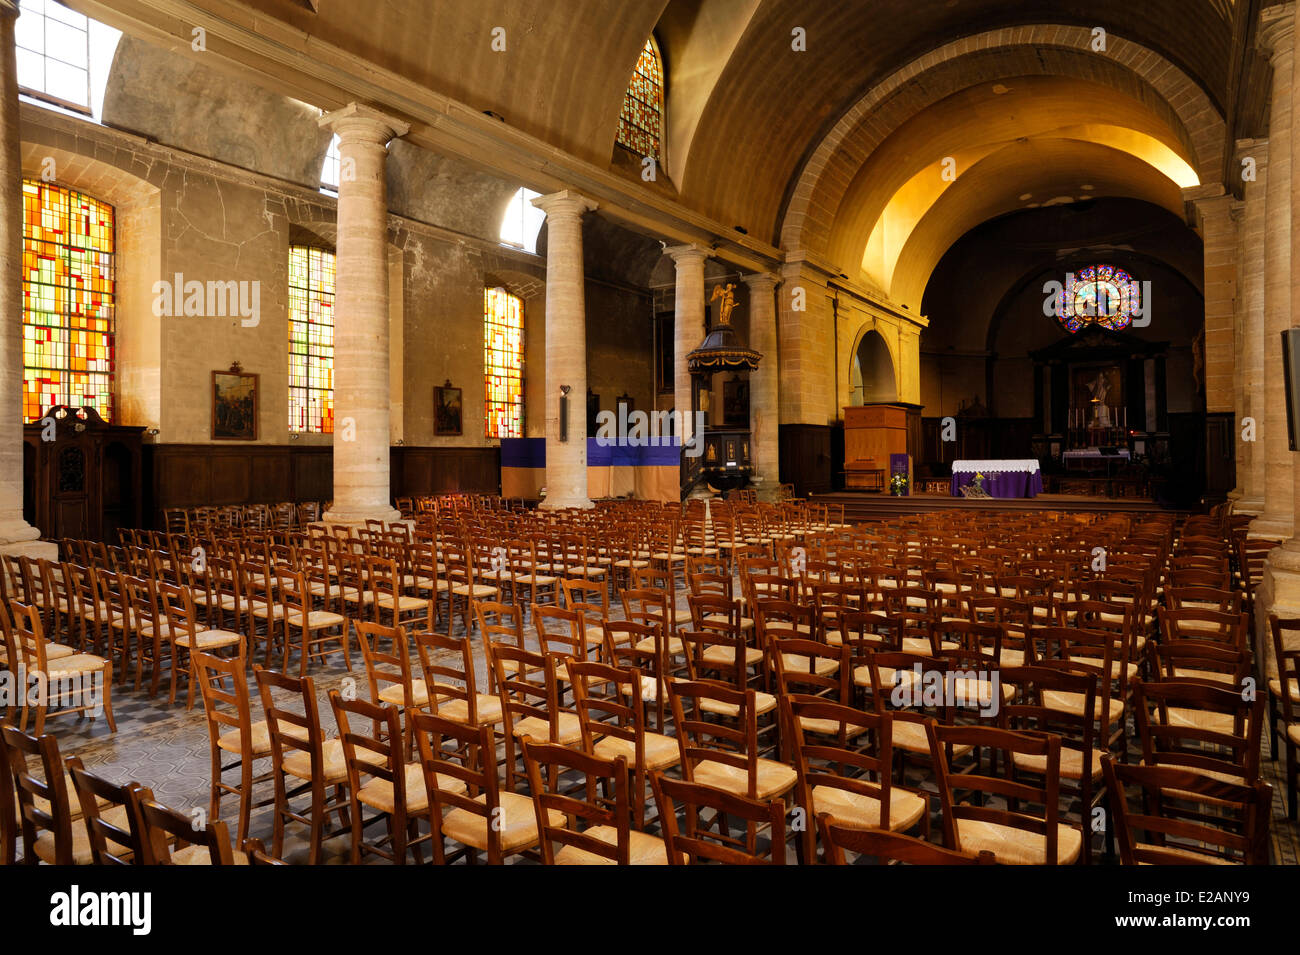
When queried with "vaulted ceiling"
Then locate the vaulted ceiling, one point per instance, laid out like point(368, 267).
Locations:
point(748, 113)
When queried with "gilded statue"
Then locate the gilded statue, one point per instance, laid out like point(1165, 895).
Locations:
point(727, 295)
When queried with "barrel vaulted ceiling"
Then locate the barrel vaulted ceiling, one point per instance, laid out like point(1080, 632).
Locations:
point(802, 149)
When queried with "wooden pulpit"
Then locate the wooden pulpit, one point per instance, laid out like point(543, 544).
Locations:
point(871, 434)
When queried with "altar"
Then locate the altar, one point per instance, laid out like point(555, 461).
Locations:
point(1011, 477)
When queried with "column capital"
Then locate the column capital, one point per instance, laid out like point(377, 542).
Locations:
point(1276, 34)
point(358, 122)
point(566, 202)
point(690, 252)
point(762, 281)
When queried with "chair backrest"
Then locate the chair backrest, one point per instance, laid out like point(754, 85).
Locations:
point(733, 744)
point(1232, 825)
point(448, 667)
point(387, 654)
point(224, 686)
point(1006, 745)
point(109, 844)
point(560, 630)
point(292, 728)
point(160, 826)
point(379, 753)
point(456, 755)
point(598, 798)
point(695, 840)
point(43, 801)
point(893, 847)
point(1200, 727)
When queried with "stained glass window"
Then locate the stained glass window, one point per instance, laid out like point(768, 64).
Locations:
point(1100, 295)
point(641, 123)
point(503, 364)
point(311, 340)
point(68, 296)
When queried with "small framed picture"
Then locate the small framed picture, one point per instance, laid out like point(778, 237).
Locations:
point(234, 405)
point(447, 410)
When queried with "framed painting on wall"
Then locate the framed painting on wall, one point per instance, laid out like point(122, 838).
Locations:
point(234, 405)
point(447, 410)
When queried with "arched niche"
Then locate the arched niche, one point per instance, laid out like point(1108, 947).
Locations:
point(872, 377)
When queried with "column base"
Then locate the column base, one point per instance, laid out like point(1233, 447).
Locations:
point(18, 539)
point(765, 489)
point(389, 515)
point(35, 549)
point(1248, 505)
point(1278, 593)
point(560, 503)
point(1270, 525)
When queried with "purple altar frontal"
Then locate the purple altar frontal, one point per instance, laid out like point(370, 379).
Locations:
point(1011, 478)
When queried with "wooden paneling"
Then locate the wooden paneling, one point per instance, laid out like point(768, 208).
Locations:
point(189, 475)
point(806, 457)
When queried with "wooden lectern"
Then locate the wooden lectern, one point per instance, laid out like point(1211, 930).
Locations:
point(871, 434)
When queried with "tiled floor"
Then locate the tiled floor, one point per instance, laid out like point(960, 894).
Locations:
point(166, 748)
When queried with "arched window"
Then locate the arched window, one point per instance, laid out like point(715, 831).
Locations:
point(311, 340)
point(640, 125)
point(68, 298)
point(522, 221)
point(329, 170)
point(1100, 295)
point(503, 364)
point(63, 56)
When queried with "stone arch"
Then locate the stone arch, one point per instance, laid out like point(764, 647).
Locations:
point(815, 196)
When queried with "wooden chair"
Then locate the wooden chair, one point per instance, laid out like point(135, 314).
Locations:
point(111, 843)
point(498, 623)
point(51, 827)
point(594, 830)
point(312, 626)
point(1286, 660)
point(255, 849)
point(189, 637)
point(301, 754)
point(231, 730)
point(387, 655)
point(62, 685)
point(450, 682)
point(1016, 836)
point(1234, 827)
point(466, 802)
point(1199, 727)
point(169, 837)
point(693, 842)
point(888, 847)
point(530, 706)
point(392, 602)
point(843, 757)
point(395, 789)
point(724, 755)
point(612, 713)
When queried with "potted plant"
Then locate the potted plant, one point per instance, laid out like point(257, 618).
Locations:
point(898, 485)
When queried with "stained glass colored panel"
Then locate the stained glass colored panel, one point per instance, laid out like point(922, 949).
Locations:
point(640, 123)
point(503, 364)
point(311, 340)
point(68, 298)
point(1100, 295)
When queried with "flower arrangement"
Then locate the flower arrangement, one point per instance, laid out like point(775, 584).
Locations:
point(898, 485)
point(978, 481)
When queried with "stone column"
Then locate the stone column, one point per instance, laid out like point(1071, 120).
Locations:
point(361, 363)
point(1277, 35)
point(16, 535)
point(566, 349)
point(1250, 363)
point(688, 326)
point(764, 408)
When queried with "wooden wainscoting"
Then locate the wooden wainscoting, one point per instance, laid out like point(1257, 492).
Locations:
point(806, 457)
point(189, 475)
